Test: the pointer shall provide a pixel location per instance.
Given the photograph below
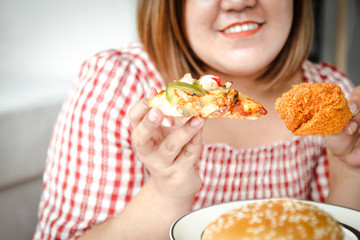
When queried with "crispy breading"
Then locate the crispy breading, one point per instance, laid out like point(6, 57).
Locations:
point(314, 109)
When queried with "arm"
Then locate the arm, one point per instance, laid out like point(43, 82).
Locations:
point(170, 157)
point(147, 216)
point(344, 160)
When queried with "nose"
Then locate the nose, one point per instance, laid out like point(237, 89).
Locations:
point(237, 5)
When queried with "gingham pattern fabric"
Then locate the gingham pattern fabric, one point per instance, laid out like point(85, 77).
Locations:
point(92, 171)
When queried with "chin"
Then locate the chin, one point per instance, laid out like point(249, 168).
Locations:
point(242, 72)
point(240, 67)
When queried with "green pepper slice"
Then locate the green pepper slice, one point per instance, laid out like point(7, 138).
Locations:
point(185, 87)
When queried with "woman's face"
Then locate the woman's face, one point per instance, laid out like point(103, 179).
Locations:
point(238, 37)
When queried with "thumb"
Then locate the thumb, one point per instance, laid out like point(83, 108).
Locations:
point(343, 143)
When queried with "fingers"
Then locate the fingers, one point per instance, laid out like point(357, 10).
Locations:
point(354, 105)
point(138, 111)
point(353, 159)
point(144, 123)
point(345, 144)
point(190, 154)
point(146, 132)
point(340, 143)
point(355, 95)
point(149, 137)
point(352, 127)
point(182, 140)
point(354, 102)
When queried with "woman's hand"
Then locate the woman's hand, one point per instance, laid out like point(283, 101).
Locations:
point(344, 159)
point(346, 145)
point(169, 154)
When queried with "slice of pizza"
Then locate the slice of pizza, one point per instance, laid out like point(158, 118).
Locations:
point(205, 97)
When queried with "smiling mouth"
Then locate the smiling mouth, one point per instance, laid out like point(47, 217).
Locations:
point(238, 28)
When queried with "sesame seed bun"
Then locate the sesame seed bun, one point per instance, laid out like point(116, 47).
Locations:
point(274, 219)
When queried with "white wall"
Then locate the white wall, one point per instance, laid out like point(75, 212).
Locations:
point(43, 43)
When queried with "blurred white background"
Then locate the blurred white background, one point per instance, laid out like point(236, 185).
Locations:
point(42, 45)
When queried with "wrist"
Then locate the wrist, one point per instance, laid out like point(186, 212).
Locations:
point(344, 183)
point(341, 172)
point(171, 197)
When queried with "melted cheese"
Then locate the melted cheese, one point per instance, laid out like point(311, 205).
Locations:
point(162, 103)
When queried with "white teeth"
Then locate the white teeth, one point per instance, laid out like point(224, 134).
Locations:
point(242, 28)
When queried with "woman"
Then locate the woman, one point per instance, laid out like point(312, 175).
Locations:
point(117, 170)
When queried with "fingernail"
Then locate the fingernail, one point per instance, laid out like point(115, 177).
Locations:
point(148, 94)
point(152, 116)
point(195, 122)
point(353, 108)
point(352, 127)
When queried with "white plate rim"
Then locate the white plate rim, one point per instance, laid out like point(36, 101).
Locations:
point(328, 207)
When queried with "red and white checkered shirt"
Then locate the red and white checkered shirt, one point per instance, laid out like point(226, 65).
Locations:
point(92, 170)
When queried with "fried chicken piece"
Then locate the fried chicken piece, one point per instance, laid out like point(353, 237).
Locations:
point(314, 109)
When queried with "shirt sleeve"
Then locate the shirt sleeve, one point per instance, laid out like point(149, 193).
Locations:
point(91, 170)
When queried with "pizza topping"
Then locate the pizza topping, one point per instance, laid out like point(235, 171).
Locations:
point(166, 107)
point(175, 89)
point(209, 109)
point(232, 97)
point(217, 79)
point(187, 78)
point(205, 97)
point(209, 82)
point(228, 84)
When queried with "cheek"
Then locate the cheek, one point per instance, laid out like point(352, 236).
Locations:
point(199, 17)
point(280, 20)
point(285, 18)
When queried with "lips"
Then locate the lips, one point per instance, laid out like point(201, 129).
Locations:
point(241, 29)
